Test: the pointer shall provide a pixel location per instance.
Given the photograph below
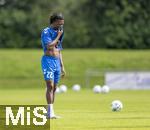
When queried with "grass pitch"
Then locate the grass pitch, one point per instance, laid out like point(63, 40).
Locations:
point(85, 110)
point(23, 67)
point(21, 83)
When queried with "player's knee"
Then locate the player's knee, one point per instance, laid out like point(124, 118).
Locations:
point(50, 86)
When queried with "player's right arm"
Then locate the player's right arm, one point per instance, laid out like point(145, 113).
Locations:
point(54, 42)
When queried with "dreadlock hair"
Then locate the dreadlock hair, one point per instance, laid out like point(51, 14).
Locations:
point(56, 16)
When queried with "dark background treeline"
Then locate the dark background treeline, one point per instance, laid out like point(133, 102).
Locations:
point(88, 23)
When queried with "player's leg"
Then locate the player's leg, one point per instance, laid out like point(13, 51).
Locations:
point(50, 97)
point(48, 72)
point(54, 90)
point(57, 74)
point(49, 91)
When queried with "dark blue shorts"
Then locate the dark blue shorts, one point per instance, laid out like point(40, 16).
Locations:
point(51, 68)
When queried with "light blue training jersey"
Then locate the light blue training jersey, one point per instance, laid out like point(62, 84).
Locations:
point(48, 35)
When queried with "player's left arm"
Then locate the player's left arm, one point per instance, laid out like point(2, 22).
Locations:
point(63, 72)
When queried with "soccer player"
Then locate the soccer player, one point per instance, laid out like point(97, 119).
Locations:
point(52, 62)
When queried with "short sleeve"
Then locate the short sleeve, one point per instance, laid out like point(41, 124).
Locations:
point(46, 37)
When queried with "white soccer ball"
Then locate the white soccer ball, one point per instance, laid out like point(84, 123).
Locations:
point(76, 87)
point(116, 105)
point(58, 90)
point(105, 89)
point(63, 88)
point(97, 89)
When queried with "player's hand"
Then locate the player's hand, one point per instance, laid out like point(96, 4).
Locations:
point(63, 72)
point(60, 32)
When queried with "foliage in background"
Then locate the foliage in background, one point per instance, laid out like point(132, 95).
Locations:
point(88, 23)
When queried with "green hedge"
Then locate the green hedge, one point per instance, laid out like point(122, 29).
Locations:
point(88, 23)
